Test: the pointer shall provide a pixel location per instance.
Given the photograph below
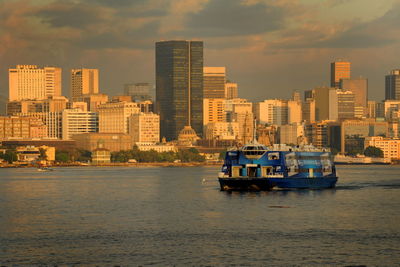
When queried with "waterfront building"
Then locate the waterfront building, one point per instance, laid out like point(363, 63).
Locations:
point(354, 132)
point(275, 111)
point(231, 90)
point(389, 146)
point(214, 82)
point(179, 86)
point(84, 82)
point(28, 82)
point(144, 127)
point(17, 127)
point(157, 147)
point(392, 85)
point(222, 131)
point(339, 70)
point(76, 121)
point(111, 141)
point(359, 87)
point(214, 110)
point(138, 91)
point(101, 155)
point(114, 117)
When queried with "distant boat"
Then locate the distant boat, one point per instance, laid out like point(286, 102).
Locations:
point(44, 169)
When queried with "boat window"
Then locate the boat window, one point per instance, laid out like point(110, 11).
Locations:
point(273, 156)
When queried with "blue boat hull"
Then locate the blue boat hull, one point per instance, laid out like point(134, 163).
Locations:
point(304, 183)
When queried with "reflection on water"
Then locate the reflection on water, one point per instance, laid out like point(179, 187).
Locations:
point(178, 216)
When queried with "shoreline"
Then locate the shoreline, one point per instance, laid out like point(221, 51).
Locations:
point(136, 165)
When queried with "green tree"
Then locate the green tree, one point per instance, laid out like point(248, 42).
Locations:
point(84, 155)
point(43, 155)
point(10, 156)
point(373, 151)
point(62, 156)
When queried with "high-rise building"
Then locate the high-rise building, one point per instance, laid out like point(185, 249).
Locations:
point(392, 85)
point(272, 111)
point(325, 103)
point(214, 110)
point(294, 111)
point(359, 87)
point(392, 110)
point(214, 82)
point(179, 86)
point(138, 91)
point(308, 110)
point(114, 117)
point(291, 133)
point(84, 82)
point(345, 104)
point(339, 70)
point(76, 121)
point(28, 82)
point(231, 90)
point(144, 128)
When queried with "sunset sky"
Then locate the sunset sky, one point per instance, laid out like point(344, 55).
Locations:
point(269, 47)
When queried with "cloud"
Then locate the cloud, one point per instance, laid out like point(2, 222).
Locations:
point(379, 32)
point(65, 14)
point(233, 18)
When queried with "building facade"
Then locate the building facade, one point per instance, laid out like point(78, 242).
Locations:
point(114, 117)
point(76, 121)
point(339, 70)
point(360, 89)
point(231, 90)
point(144, 128)
point(84, 82)
point(392, 85)
point(28, 82)
point(179, 86)
point(389, 146)
point(214, 82)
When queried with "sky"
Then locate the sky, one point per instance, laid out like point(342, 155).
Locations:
point(269, 47)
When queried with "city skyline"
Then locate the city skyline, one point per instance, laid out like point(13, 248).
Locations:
point(259, 50)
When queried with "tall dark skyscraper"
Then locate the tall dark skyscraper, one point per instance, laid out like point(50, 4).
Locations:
point(392, 85)
point(179, 86)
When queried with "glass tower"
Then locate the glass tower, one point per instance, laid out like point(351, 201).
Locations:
point(179, 86)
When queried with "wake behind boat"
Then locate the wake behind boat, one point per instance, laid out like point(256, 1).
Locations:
point(254, 167)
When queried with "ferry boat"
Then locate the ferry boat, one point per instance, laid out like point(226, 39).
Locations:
point(255, 167)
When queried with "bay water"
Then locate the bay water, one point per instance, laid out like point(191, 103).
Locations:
point(163, 216)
